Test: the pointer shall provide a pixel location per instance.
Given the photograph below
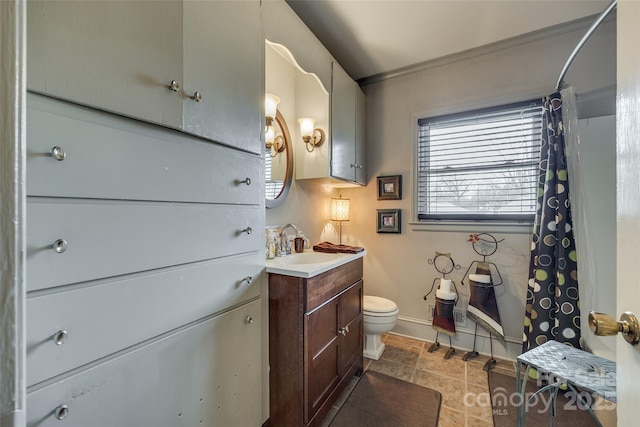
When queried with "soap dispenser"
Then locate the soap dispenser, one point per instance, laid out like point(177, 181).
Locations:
point(271, 244)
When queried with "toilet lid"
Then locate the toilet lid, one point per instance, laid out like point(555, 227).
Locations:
point(378, 305)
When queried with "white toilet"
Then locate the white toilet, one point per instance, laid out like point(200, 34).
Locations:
point(380, 316)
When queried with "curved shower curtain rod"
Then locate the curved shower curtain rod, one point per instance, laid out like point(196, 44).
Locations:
point(584, 39)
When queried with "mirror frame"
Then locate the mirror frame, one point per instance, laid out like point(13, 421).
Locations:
point(288, 176)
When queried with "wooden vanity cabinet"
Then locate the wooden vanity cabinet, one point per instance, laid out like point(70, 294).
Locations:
point(315, 342)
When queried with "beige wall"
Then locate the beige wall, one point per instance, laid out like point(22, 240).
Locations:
point(396, 266)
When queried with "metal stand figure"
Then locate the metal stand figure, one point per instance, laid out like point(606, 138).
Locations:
point(483, 308)
point(445, 301)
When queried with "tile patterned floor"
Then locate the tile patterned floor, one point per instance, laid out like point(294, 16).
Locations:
point(410, 360)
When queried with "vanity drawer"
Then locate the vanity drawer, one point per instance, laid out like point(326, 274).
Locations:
point(325, 286)
point(208, 374)
point(110, 157)
point(110, 239)
point(115, 314)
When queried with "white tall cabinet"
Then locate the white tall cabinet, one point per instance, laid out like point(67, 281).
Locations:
point(145, 212)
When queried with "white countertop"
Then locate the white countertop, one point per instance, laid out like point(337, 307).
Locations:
point(291, 266)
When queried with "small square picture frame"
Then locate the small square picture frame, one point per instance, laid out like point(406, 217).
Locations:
point(390, 187)
point(389, 221)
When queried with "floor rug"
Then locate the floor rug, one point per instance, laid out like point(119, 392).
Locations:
point(569, 413)
point(383, 401)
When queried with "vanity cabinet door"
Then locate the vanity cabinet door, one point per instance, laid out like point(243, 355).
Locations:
point(118, 56)
point(350, 339)
point(321, 355)
point(223, 51)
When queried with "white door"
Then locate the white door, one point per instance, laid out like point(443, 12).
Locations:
point(628, 204)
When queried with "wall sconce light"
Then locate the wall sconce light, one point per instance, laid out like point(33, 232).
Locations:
point(270, 107)
point(340, 211)
point(274, 144)
point(311, 134)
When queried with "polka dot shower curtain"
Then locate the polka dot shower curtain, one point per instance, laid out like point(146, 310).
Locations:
point(552, 305)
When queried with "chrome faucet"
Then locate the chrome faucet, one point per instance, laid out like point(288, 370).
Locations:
point(284, 248)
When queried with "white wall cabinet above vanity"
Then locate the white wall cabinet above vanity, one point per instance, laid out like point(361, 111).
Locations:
point(341, 159)
point(121, 57)
point(347, 128)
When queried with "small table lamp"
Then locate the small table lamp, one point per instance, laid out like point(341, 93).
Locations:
point(340, 212)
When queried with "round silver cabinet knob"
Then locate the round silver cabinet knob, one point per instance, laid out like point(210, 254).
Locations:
point(248, 230)
point(197, 96)
point(60, 337)
point(60, 246)
point(245, 181)
point(58, 153)
point(248, 319)
point(61, 412)
point(174, 86)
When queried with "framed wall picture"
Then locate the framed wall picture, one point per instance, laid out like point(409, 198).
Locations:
point(390, 187)
point(389, 221)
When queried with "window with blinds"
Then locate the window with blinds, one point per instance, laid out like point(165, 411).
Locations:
point(480, 165)
point(272, 186)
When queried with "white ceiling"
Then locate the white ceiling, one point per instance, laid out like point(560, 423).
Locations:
point(369, 37)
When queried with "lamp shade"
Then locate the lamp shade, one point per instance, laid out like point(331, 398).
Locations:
point(270, 105)
point(306, 126)
point(340, 209)
point(270, 135)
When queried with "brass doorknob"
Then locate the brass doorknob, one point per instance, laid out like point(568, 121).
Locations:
point(605, 325)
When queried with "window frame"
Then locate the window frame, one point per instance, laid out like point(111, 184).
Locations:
point(519, 223)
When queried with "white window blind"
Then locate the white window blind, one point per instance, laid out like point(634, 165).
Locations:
point(480, 165)
point(272, 187)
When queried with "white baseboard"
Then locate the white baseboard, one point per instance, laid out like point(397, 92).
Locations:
point(463, 340)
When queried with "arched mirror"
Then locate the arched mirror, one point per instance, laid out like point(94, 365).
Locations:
point(278, 162)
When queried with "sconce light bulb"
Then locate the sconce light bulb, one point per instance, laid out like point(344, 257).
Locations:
point(306, 127)
point(270, 108)
point(269, 135)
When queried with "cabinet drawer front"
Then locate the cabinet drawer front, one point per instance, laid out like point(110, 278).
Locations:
point(208, 374)
point(108, 157)
point(104, 240)
point(113, 315)
point(326, 285)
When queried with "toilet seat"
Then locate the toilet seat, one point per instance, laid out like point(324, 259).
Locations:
point(377, 306)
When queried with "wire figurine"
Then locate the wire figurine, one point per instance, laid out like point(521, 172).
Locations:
point(483, 306)
point(446, 299)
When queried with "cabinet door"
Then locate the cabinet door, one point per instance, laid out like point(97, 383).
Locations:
point(321, 354)
point(350, 325)
point(118, 56)
point(343, 131)
point(361, 126)
point(98, 319)
point(208, 374)
point(223, 51)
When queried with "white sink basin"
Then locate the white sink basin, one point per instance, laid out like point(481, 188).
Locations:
point(305, 258)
